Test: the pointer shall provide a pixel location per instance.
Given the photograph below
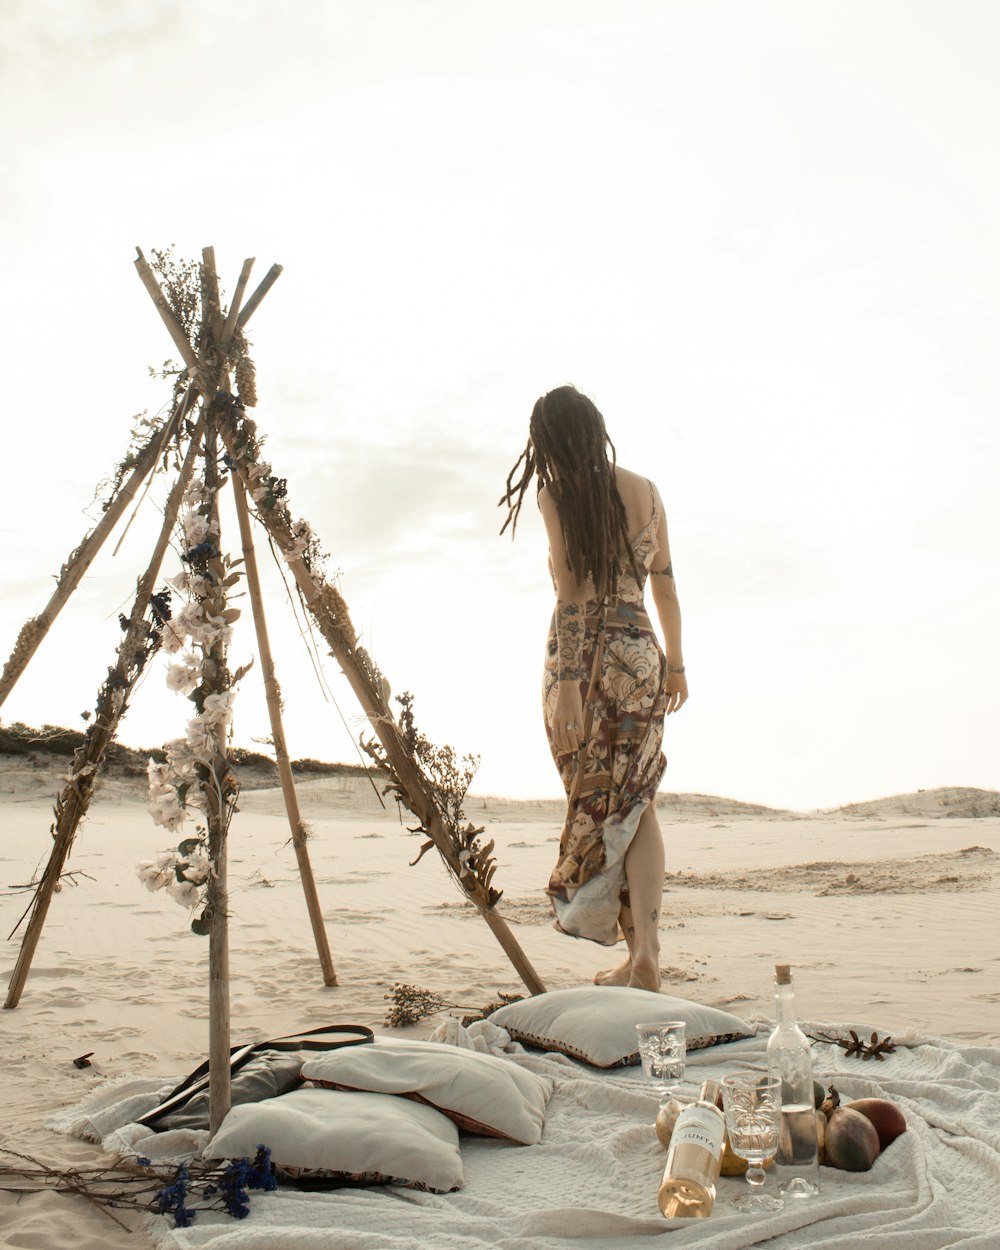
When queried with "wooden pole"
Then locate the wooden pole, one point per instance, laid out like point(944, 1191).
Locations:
point(79, 561)
point(216, 805)
point(252, 304)
point(211, 300)
point(181, 409)
point(166, 312)
point(112, 703)
point(333, 620)
point(299, 837)
point(229, 329)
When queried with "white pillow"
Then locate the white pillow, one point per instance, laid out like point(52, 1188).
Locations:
point(483, 1094)
point(596, 1023)
point(364, 1138)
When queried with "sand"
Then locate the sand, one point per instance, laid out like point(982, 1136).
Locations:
point(886, 910)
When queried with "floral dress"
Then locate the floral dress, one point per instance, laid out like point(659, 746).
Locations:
point(622, 760)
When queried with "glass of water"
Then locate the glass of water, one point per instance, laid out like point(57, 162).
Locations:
point(662, 1050)
point(752, 1105)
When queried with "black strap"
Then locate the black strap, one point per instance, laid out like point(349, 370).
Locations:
point(309, 1039)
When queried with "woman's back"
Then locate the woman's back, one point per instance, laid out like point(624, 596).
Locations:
point(638, 495)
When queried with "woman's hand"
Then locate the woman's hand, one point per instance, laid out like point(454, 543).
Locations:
point(677, 691)
point(567, 718)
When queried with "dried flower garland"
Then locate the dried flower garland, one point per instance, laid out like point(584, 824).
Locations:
point(194, 766)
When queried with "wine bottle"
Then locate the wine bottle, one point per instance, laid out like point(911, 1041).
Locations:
point(789, 1057)
point(688, 1185)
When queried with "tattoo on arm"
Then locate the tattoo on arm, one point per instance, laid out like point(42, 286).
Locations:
point(569, 638)
point(654, 915)
point(667, 572)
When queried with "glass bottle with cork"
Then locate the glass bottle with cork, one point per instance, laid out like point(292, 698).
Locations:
point(790, 1057)
point(694, 1157)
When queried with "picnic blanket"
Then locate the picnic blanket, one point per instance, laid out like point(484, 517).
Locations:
point(593, 1178)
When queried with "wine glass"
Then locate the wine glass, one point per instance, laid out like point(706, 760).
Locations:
point(752, 1104)
point(662, 1051)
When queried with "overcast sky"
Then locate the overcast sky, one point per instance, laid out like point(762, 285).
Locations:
point(762, 234)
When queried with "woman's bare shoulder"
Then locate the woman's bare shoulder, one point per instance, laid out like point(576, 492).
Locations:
point(634, 487)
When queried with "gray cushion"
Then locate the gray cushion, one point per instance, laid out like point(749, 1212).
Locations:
point(596, 1023)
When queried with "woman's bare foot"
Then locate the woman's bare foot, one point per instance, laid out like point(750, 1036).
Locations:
point(622, 975)
point(645, 974)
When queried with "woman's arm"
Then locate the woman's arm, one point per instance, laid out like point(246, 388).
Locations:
point(571, 600)
point(668, 609)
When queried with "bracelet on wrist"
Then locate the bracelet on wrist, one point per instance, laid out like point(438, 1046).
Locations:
point(675, 668)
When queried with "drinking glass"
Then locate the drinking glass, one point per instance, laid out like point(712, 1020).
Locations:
point(752, 1104)
point(662, 1051)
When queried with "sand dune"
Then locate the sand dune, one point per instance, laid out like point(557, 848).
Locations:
point(29, 776)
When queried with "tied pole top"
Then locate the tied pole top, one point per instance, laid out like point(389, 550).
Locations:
point(217, 335)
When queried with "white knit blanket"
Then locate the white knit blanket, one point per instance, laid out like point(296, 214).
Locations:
point(592, 1180)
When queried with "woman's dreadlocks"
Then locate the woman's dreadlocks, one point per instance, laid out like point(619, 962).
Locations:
point(566, 448)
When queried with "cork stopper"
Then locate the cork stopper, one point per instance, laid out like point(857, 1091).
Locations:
point(782, 974)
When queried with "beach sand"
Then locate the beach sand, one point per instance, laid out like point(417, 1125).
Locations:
point(885, 910)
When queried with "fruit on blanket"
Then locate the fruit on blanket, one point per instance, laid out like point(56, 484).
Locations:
point(884, 1115)
point(831, 1102)
point(666, 1118)
point(851, 1141)
point(733, 1164)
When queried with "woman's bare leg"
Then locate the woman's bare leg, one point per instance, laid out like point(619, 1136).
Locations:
point(622, 974)
point(644, 873)
point(644, 863)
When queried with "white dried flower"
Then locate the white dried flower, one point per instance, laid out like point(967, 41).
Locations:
point(172, 637)
point(185, 675)
point(218, 708)
point(196, 528)
point(184, 893)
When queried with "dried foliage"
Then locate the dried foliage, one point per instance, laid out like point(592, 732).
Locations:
point(874, 1048)
point(447, 779)
point(146, 432)
point(244, 372)
point(855, 1047)
point(181, 283)
point(27, 641)
point(140, 1186)
point(413, 1003)
point(447, 776)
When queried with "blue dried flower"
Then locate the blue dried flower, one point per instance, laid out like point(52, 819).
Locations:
point(262, 1170)
point(170, 1200)
point(203, 551)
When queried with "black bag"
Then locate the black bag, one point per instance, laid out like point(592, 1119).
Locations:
point(259, 1070)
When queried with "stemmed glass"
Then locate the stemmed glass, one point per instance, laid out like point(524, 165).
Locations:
point(662, 1051)
point(752, 1104)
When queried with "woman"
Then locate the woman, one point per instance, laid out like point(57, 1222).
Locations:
point(608, 683)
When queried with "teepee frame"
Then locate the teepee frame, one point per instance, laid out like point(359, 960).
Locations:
point(222, 417)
